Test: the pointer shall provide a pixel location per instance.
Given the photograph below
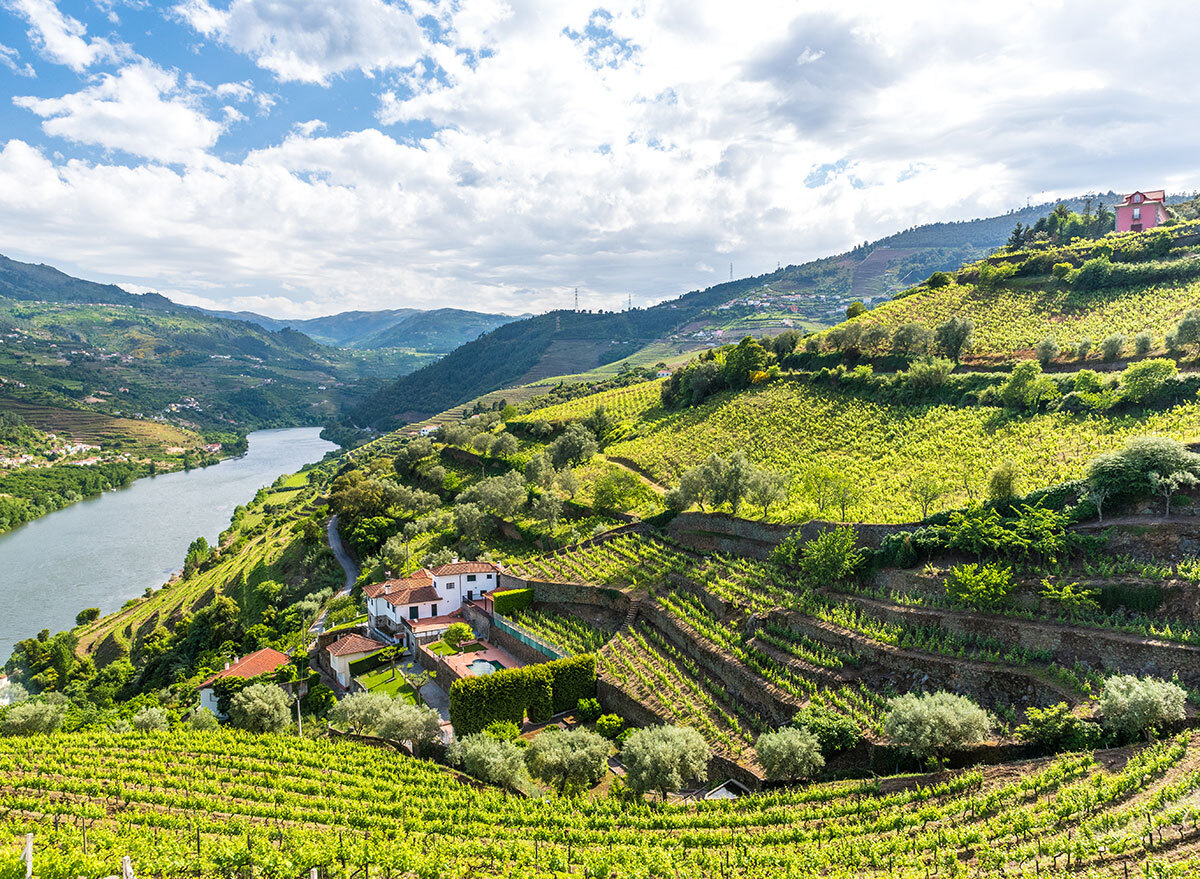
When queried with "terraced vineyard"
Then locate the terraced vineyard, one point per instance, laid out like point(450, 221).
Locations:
point(213, 804)
point(570, 633)
point(621, 403)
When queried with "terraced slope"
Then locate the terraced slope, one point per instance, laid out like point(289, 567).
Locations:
point(212, 804)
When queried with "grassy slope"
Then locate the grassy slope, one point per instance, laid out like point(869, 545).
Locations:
point(95, 428)
point(789, 426)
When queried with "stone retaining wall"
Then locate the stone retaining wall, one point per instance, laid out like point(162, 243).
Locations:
point(720, 532)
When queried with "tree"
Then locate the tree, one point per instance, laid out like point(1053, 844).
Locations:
point(602, 425)
point(789, 754)
point(260, 708)
point(1188, 331)
point(87, 615)
point(150, 718)
point(929, 725)
point(854, 309)
point(1138, 469)
point(1004, 481)
point(1083, 349)
point(485, 758)
point(1017, 239)
point(614, 490)
point(361, 712)
point(539, 471)
point(1143, 382)
point(471, 522)
point(504, 445)
point(417, 725)
point(31, 718)
point(203, 720)
point(570, 762)
point(1142, 343)
point(831, 557)
point(733, 481)
point(567, 481)
point(1168, 485)
point(1027, 389)
point(954, 336)
point(1132, 706)
point(912, 339)
point(664, 759)
point(767, 487)
point(456, 633)
point(576, 446)
point(939, 279)
point(983, 587)
point(1058, 728)
point(926, 489)
point(547, 507)
point(1046, 350)
point(742, 364)
point(1111, 347)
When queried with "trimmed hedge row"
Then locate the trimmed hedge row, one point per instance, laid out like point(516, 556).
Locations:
point(536, 691)
point(369, 663)
point(510, 601)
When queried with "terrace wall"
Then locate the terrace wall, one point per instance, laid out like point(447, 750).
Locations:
point(720, 532)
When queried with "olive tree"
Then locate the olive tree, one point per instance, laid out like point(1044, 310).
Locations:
point(488, 759)
point(260, 708)
point(789, 753)
point(418, 725)
point(929, 725)
point(954, 336)
point(577, 445)
point(150, 718)
point(361, 712)
point(570, 762)
point(30, 718)
point(203, 720)
point(1133, 706)
point(664, 759)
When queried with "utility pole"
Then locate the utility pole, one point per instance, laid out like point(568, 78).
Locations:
point(731, 271)
point(577, 299)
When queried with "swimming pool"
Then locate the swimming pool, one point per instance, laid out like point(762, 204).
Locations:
point(484, 666)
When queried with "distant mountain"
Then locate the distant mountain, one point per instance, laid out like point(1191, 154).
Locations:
point(437, 331)
point(565, 342)
point(29, 282)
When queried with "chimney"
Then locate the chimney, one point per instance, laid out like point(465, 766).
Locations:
point(227, 665)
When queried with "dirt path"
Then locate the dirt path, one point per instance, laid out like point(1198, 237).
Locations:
point(629, 467)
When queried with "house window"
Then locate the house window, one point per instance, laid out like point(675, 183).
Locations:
point(1137, 213)
point(489, 576)
point(470, 578)
point(449, 584)
point(433, 610)
point(414, 612)
point(1137, 199)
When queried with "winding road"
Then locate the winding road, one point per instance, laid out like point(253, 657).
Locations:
point(348, 565)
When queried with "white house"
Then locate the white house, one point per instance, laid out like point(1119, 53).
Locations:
point(429, 430)
point(431, 597)
point(348, 649)
point(250, 666)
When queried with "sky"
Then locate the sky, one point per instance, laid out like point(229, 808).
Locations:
point(303, 157)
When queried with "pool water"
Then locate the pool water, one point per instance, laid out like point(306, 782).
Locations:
point(484, 666)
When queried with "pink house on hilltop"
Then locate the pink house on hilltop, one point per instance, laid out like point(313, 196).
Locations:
point(1141, 210)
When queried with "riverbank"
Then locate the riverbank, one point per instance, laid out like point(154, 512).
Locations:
point(106, 550)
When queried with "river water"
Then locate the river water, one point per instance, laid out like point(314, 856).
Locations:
point(103, 551)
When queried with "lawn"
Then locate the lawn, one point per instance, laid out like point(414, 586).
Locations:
point(441, 648)
point(384, 680)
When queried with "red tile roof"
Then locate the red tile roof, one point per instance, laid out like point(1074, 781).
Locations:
point(348, 645)
point(251, 666)
point(377, 590)
point(465, 568)
point(412, 595)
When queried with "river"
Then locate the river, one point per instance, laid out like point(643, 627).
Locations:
point(105, 550)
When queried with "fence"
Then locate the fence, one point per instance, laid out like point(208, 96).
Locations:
point(526, 637)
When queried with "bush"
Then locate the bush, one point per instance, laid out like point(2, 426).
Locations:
point(929, 725)
point(1058, 729)
point(31, 718)
point(1111, 347)
point(457, 633)
point(1142, 343)
point(1004, 481)
point(503, 730)
point(1133, 706)
point(260, 708)
point(983, 587)
point(1083, 348)
point(568, 761)
point(1061, 270)
point(1027, 389)
point(835, 732)
point(1134, 472)
point(1046, 350)
point(87, 615)
point(539, 690)
point(485, 758)
point(830, 557)
point(203, 720)
point(588, 710)
point(939, 279)
point(664, 759)
point(149, 719)
point(1142, 383)
point(610, 725)
point(789, 753)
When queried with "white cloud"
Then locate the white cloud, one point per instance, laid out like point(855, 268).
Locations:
point(11, 59)
point(311, 40)
point(61, 38)
point(139, 110)
point(309, 128)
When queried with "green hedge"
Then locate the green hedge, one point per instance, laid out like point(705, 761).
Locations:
point(368, 663)
point(511, 600)
point(538, 691)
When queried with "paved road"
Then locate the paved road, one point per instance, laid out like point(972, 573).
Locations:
point(348, 565)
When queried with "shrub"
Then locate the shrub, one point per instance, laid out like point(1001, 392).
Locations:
point(789, 753)
point(260, 708)
point(418, 725)
point(610, 725)
point(1046, 350)
point(457, 633)
point(830, 557)
point(87, 615)
point(1111, 347)
point(485, 758)
point(539, 690)
point(1027, 388)
point(203, 720)
point(664, 759)
point(1135, 471)
point(929, 725)
point(939, 279)
point(588, 710)
point(926, 374)
point(503, 730)
point(1068, 598)
point(149, 719)
point(1132, 706)
point(983, 587)
point(1004, 481)
point(835, 732)
point(1061, 270)
point(31, 718)
point(568, 761)
point(1142, 343)
point(1058, 729)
